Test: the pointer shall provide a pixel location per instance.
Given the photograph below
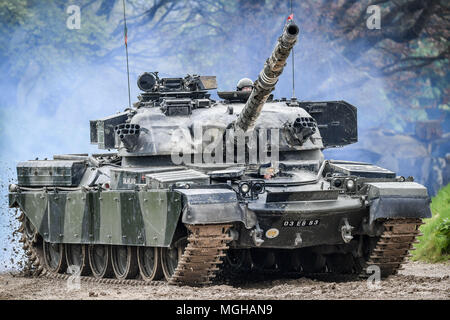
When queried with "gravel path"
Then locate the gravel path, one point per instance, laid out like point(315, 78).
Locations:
point(417, 281)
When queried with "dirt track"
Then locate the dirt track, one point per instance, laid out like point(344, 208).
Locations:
point(416, 281)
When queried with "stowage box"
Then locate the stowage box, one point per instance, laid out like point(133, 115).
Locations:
point(165, 179)
point(57, 173)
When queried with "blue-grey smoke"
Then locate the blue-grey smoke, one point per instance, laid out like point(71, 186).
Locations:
point(47, 112)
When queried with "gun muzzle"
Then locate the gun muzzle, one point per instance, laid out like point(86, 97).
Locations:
point(268, 77)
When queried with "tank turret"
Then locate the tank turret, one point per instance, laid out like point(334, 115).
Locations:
point(268, 77)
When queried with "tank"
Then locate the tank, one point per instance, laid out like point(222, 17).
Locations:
point(198, 188)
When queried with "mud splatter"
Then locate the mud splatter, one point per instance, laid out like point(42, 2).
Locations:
point(12, 257)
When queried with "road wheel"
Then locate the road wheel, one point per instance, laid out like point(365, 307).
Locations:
point(263, 259)
point(100, 261)
point(311, 262)
point(149, 263)
point(169, 260)
point(54, 258)
point(288, 261)
point(124, 262)
point(77, 255)
point(237, 261)
point(341, 263)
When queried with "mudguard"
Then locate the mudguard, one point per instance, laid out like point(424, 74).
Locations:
point(211, 206)
point(398, 200)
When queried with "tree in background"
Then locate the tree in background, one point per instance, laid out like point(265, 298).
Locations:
point(404, 63)
point(410, 51)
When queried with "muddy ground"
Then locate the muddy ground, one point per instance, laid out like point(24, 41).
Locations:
point(416, 281)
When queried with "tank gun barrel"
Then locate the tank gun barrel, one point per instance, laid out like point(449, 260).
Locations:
point(268, 77)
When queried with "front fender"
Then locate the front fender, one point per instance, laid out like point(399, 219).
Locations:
point(398, 200)
point(211, 206)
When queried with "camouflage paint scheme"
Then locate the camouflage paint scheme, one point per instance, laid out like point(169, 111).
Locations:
point(149, 218)
point(114, 217)
point(139, 196)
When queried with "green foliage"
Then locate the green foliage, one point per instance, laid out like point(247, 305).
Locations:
point(434, 245)
point(434, 79)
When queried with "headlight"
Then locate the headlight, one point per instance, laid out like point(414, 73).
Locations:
point(257, 188)
point(244, 188)
point(350, 184)
point(337, 183)
point(251, 188)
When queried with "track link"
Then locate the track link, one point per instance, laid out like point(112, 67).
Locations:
point(206, 246)
point(393, 245)
point(201, 258)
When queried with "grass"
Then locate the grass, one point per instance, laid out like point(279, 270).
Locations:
point(434, 245)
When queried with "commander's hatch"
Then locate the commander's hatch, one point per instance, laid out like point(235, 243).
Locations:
point(336, 120)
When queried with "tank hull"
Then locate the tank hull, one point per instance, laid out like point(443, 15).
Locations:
point(203, 223)
point(150, 218)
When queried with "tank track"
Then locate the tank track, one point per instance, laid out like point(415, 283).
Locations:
point(33, 266)
point(206, 246)
point(393, 246)
point(386, 251)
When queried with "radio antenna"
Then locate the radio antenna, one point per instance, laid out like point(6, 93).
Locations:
point(293, 62)
point(125, 31)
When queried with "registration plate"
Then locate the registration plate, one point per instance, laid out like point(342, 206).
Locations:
point(301, 223)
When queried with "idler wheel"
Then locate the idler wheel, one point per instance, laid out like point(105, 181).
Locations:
point(149, 263)
point(100, 261)
point(54, 258)
point(124, 262)
point(169, 260)
point(77, 256)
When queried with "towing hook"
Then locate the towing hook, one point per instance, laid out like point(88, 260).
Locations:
point(256, 235)
point(346, 231)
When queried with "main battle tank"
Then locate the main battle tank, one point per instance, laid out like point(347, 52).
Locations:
point(200, 187)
